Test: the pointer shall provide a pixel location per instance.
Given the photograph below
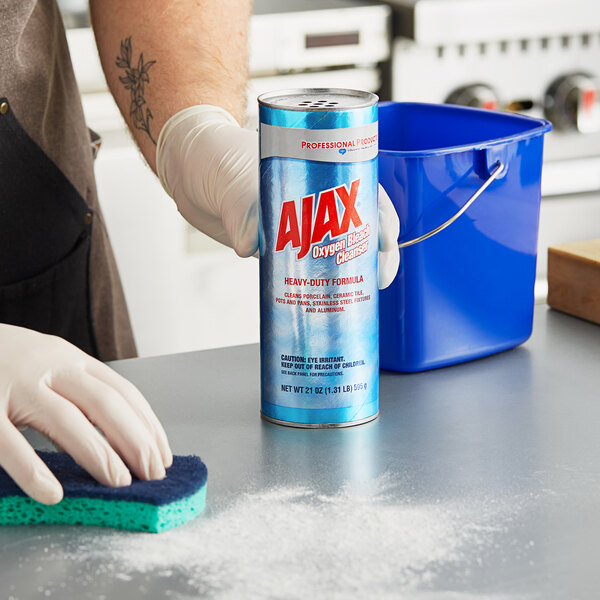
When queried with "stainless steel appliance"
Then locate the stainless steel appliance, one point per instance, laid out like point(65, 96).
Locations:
point(534, 56)
point(314, 43)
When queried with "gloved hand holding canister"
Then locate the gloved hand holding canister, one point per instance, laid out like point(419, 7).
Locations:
point(209, 165)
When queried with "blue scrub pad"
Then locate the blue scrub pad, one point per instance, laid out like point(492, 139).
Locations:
point(142, 506)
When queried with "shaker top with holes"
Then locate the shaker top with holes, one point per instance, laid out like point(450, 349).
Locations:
point(326, 99)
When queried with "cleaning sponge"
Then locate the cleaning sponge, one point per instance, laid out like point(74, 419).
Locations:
point(142, 506)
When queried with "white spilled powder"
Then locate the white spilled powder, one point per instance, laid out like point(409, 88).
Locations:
point(294, 543)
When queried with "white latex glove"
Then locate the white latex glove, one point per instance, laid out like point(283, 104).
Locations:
point(389, 230)
point(50, 385)
point(209, 165)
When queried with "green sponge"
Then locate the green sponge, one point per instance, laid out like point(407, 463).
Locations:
point(152, 506)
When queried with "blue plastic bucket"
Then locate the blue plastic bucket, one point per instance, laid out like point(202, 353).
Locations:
point(465, 286)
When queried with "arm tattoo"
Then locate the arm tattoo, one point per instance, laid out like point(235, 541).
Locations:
point(134, 81)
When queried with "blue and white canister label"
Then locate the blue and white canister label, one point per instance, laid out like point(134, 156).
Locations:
point(318, 267)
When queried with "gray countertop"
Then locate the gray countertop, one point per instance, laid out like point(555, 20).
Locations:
point(480, 480)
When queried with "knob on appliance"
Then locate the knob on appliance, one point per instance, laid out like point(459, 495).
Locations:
point(478, 95)
point(573, 102)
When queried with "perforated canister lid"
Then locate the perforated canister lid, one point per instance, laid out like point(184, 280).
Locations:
point(318, 99)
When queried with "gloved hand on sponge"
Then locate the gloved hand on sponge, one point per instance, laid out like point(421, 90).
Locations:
point(52, 386)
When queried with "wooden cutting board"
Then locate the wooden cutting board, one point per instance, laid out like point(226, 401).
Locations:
point(574, 279)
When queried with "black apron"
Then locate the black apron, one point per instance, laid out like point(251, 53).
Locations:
point(45, 233)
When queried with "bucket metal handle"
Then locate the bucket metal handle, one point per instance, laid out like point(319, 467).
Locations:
point(493, 175)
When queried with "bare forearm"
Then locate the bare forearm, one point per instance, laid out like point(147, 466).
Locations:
point(161, 56)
